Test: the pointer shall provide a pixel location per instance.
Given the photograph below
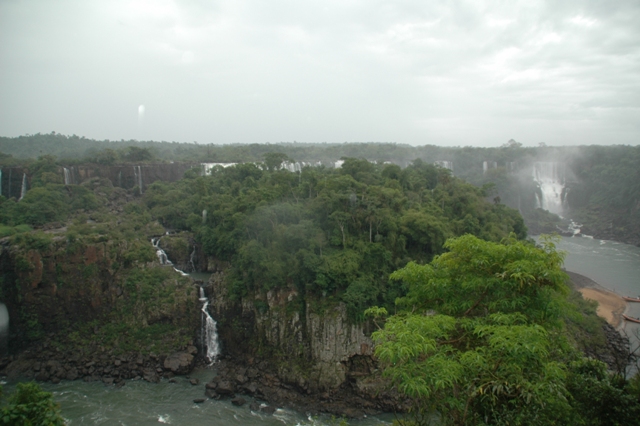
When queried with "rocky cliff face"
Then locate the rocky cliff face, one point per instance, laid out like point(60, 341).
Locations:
point(61, 288)
point(315, 351)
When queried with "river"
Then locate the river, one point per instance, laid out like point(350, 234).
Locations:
point(615, 266)
point(141, 403)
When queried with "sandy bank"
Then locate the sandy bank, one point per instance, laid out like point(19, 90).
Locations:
point(610, 305)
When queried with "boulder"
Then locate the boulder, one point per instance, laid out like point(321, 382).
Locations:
point(238, 401)
point(179, 362)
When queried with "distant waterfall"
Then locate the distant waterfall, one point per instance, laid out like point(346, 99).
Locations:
point(69, 178)
point(486, 165)
point(550, 180)
point(137, 173)
point(209, 330)
point(23, 190)
point(445, 164)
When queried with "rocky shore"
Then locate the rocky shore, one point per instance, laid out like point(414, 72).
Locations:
point(48, 363)
point(250, 383)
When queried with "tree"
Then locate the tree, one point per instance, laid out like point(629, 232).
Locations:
point(29, 405)
point(473, 343)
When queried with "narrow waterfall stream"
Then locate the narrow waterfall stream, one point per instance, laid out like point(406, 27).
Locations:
point(209, 330)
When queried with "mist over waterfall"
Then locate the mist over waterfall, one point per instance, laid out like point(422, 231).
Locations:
point(550, 178)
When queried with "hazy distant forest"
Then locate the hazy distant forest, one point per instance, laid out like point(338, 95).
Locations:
point(602, 182)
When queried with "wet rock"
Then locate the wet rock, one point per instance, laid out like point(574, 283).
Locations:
point(151, 376)
point(226, 387)
point(198, 400)
point(210, 393)
point(179, 362)
point(254, 406)
point(269, 409)
point(107, 380)
point(194, 382)
point(238, 401)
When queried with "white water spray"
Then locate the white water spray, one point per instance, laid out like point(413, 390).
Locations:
point(550, 179)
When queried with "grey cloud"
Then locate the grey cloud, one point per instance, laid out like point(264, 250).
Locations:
point(464, 72)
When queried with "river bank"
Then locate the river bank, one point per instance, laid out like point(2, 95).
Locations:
point(611, 305)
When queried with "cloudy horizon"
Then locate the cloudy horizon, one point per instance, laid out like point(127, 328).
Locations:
point(445, 73)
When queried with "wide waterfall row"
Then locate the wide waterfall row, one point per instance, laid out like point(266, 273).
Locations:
point(207, 167)
point(550, 178)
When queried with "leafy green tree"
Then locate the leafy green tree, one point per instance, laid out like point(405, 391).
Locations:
point(29, 405)
point(473, 344)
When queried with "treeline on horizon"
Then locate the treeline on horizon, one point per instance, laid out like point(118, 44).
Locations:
point(602, 182)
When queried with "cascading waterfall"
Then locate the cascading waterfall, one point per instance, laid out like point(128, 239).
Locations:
point(204, 216)
point(209, 325)
point(23, 190)
point(137, 173)
point(162, 256)
point(209, 330)
point(551, 191)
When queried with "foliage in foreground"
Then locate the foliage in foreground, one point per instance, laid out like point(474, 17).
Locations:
point(478, 342)
point(29, 405)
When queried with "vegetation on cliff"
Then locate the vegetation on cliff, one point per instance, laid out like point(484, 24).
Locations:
point(479, 340)
point(331, 234)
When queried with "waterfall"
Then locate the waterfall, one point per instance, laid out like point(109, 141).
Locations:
point(120, 178)
point(137, 173)
point(208, 167)
point(445, 164)
point(23, 190)
point(204, 216)
point(67, 176)
point(9, 194)
point(486, 165)
point(162, 256)
point(550, 180)
point(209, 330)
point(191, 257)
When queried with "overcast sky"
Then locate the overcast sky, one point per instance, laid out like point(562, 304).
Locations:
point(418, 72)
